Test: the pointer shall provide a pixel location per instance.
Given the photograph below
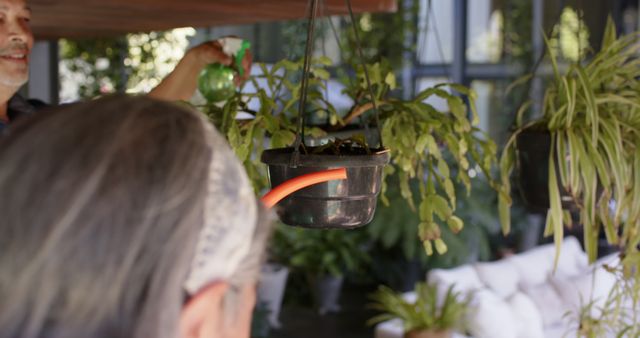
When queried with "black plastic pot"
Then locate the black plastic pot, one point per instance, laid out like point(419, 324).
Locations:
point(349, 203)
point(533, 149)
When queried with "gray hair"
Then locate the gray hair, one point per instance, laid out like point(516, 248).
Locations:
point(101, 210)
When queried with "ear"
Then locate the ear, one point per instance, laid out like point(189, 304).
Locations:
point(203, 313)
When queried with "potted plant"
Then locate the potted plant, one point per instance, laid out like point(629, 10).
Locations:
point(345, 204)
point(419, 136)
point(415, 132)
point(324, 257)
point(591, 125)
point(398, 258)
point(613, 316)
point(260, 323)
point(426, 317)
point(274, 274)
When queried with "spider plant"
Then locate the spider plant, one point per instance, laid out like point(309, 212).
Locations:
point(426, 313)
point(592, 114)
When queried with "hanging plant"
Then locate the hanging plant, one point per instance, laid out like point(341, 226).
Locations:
point(423, 141)
point(591, 126)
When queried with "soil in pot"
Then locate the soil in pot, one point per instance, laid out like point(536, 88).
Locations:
point(428, 334)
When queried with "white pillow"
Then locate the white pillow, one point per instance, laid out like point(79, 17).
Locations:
point(573, 260)
point(548, 301)
point(534, 265)
point(592, 285)
point(464, 278)
point(501, 277)
point(526, 315)
point(490, 316)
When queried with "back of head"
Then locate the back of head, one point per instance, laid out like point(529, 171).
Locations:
point(102, 209)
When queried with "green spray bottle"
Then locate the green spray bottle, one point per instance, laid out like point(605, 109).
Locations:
point(217, 82)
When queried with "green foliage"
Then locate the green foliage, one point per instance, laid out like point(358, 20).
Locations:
point(592, 113)
point(281, 246)
point(133, 63)
point(426, 313)
point(382, 35)
point(327, 252)
point(418, 135)
point(394, 225)
point(85, 56)
point(518, 28)
point(278, 93)
point(615, 316)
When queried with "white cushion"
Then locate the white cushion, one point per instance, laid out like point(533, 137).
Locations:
point(535, 265)
point(573, 260)
point(611, 260)
point(548, 301)
point(394, 329)
point(527, 317)
point(501, 277)
point(577, 291)
point(490, 316)
point(464, 278)
point(390, 329)
point(410, 297)
point(563, 330)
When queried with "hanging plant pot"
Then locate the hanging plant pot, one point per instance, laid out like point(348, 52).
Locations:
point(349, 203)
point(533, 147)
point(428, 334)
point(345, 203)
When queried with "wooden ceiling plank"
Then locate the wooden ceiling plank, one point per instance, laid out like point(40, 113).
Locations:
point(60, 18)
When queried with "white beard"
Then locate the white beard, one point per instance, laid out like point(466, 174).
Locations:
point(10, 76)
point(14, 81)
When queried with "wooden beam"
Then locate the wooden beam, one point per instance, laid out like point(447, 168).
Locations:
point(95, 18)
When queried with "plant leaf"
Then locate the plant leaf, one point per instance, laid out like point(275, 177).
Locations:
point(555, 206)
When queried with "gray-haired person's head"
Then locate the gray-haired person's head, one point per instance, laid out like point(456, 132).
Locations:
point(125, 217)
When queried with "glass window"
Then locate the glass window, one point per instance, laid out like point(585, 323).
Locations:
point(436, 102)
point(435, 34)
point(484, 32)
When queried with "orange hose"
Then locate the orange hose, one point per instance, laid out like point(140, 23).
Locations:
point(290, 186)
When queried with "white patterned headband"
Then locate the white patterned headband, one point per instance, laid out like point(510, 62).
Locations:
point(230, 218)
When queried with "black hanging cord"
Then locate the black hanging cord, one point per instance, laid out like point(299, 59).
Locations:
point(536, 65)
point(430, 19)
point(313, 10)
point(366, 72)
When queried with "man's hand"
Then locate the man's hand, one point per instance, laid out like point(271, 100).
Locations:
point(206, 53)
point(181, 84)
point(211, 52)
point(246, 66)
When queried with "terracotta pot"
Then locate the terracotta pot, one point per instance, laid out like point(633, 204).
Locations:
point(428, 334)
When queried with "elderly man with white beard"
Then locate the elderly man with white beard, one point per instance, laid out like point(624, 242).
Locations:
point(16, 41)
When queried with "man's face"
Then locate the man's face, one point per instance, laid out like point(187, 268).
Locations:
point(16, 41)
